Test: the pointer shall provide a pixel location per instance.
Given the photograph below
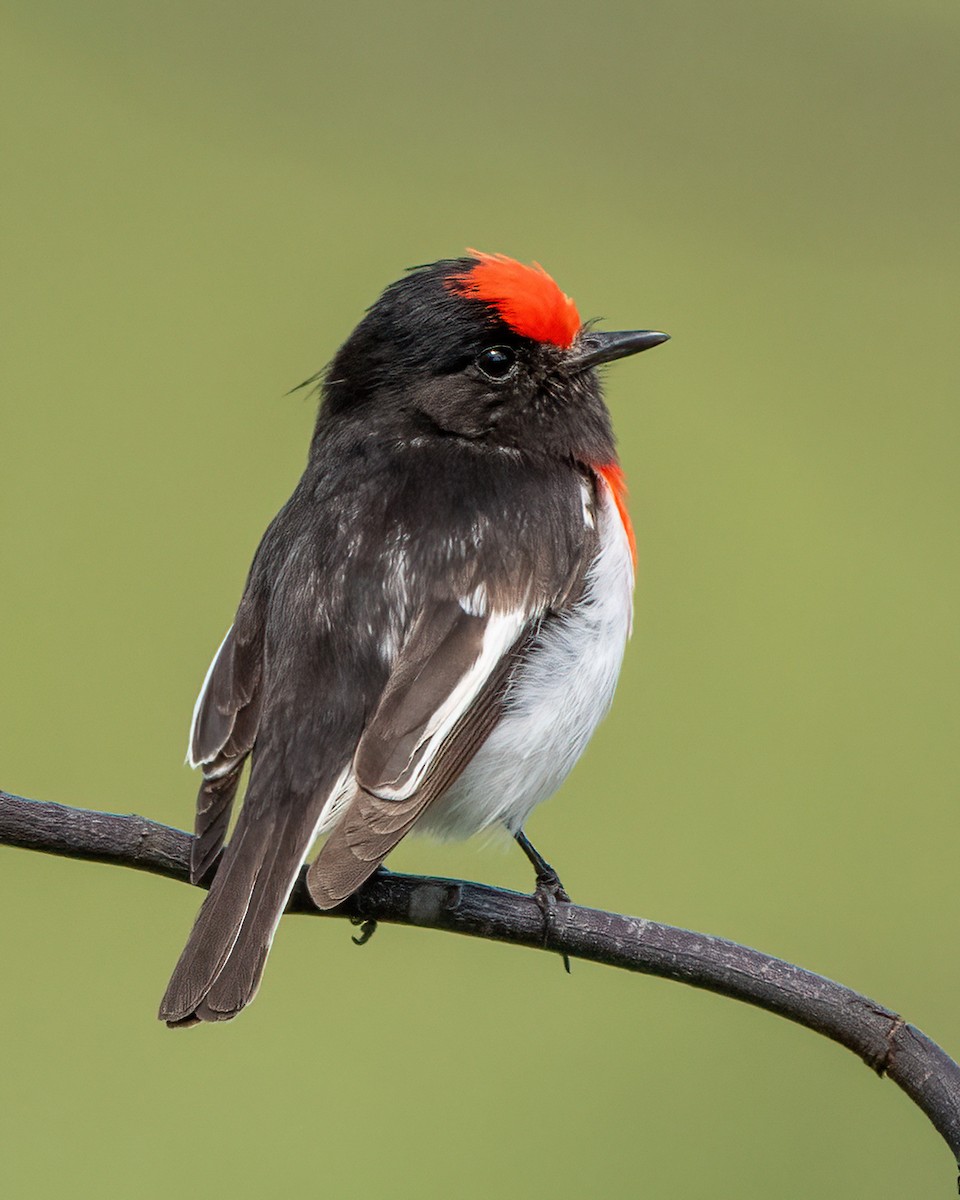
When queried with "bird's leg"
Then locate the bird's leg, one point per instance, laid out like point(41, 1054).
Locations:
point(548, 880)
point(549, 890)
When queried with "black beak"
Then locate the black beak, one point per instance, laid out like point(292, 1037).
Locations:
point(596, 348)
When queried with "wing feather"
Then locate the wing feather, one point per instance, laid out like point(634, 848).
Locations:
point(442, 669)
point(441, 702)
point(210, 726)
point(226, 719)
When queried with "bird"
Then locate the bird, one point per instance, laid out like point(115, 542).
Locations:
point(434, 623)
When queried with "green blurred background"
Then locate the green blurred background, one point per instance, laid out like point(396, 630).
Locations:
point(199, 201)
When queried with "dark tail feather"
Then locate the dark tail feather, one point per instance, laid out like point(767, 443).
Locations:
point(220, 968)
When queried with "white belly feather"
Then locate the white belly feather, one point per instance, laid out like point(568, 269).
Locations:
point(555, 701)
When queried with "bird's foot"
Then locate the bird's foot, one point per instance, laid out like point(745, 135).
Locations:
point(548, 893)
point(367, 929)
point(550, 890)
point(367, 925)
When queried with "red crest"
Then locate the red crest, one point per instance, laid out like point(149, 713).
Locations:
point(524, 297)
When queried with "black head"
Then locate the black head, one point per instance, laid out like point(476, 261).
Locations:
point(482, 348)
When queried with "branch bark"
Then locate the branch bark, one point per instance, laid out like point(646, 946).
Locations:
point(882, 1038)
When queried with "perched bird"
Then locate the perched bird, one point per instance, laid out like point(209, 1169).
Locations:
point(433, 624)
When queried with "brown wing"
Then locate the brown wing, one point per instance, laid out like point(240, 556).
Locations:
point(442, 700)
point(225, 722)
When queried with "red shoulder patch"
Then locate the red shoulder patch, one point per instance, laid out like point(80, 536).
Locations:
point(525, 297)
point(612, 475)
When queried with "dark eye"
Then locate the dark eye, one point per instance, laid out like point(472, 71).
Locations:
point(497, 362)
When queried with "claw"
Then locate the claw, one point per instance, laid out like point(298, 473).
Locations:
point(367, 926)
point(367, 930)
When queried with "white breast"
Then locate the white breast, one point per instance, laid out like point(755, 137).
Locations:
point(555, 701)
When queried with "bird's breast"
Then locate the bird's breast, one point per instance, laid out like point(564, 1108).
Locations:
point(558, 695)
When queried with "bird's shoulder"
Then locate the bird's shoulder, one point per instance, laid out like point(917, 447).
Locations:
point(407, 519)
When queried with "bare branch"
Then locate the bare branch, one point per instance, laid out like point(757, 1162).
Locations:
point(879, 1036)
